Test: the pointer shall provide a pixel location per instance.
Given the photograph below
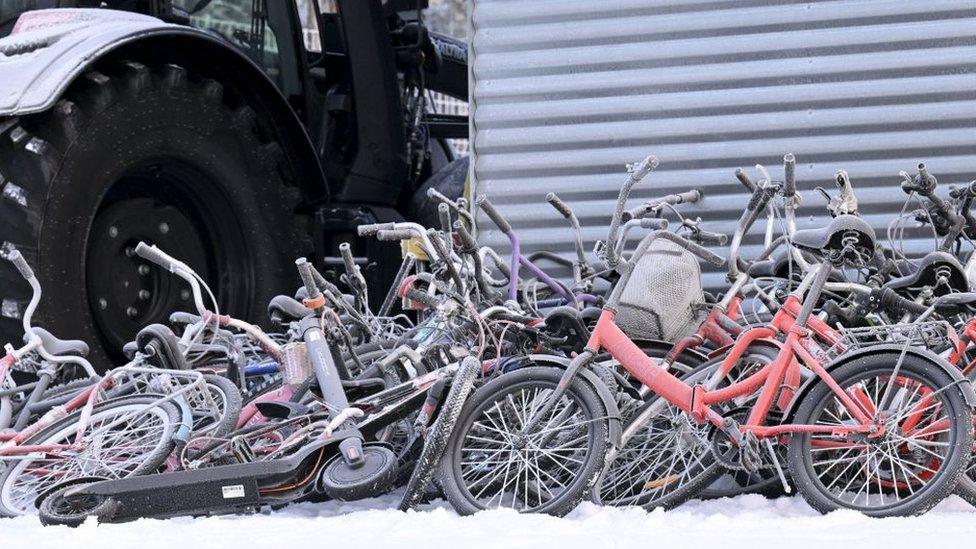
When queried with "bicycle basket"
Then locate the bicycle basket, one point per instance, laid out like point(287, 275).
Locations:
point(663, 298)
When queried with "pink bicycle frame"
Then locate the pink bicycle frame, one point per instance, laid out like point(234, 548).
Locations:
point(697, 401)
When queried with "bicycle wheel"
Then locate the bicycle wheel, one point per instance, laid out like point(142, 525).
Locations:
point(491, 463)
point(137, 445)
point(436, 440)
point(911, 466)
point(222, 419)
point(966, 489)
point(666, 458)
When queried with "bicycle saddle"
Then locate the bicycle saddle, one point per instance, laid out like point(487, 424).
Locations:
point(845, 238)
point(932, 269)
point(774, 266)
point(285, 309)
point(60, 347)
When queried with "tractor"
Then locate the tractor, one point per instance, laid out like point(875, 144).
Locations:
point(212, 129)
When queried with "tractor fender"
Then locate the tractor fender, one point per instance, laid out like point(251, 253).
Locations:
point(609, 401)
point(48, 49)
point(895, 350)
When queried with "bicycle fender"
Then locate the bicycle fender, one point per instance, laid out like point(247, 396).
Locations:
point(609, 401)
point(895, 350)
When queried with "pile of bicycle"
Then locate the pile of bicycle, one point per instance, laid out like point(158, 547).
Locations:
point(834, 364)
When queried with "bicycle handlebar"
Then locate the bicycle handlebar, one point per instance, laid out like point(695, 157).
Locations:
point(493, 214)
point(896, 304)
point(653, 223)
point(637, 173)
point(687, 197)
point(743, 178)
point(305, 271)
point(709, 238)
point(347, 259)
point(559, 205)
point(372, 229)
point(159, 257)
point(390, 235)
point(789, 171)
point(18, 260)
point(414, 294)
point(701, 252)
point(444, 214)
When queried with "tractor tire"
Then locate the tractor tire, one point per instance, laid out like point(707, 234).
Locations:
point(131, 153)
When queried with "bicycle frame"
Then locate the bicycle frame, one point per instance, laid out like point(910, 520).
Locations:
point(13, 446)
point(798, 348)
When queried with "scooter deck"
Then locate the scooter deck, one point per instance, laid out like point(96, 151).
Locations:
point(215, 490)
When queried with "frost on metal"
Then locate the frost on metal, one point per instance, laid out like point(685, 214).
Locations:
point(6, 249)
point(10, 309)
point(47, 49)
point(15, 194)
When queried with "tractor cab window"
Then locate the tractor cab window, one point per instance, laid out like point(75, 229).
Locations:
point(264, 30)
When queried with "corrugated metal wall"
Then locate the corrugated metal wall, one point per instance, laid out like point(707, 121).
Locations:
point(565, 92)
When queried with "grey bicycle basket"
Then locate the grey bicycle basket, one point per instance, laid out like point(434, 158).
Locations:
point(663, 298)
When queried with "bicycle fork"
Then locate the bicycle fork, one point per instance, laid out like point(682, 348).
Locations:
point(581, 361)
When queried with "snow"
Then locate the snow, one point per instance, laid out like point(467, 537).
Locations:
point(745, 521)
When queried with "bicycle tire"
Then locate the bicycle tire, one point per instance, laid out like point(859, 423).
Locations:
point(958, 443)
point(436, 440)
point(593, 428)
point(162, 444)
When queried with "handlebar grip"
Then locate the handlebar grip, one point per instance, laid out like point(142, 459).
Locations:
point(489, 209)
point(467, 240)
point(347, 259)
point(896, 304)
point(701, 252)
point(414, 294)
point(644, 167)
point(444, 214)
point(654, 223)
point(789, 181)
point(18, 260)
point(744, 179)
point(923, 172)
point(846, 314)
point(305, 271)
point(710, 239)
point(690, 197)
point(155, 255)
point(372, 229)
point(560, 206)
point(635, 213)
point(394, 234)
point(760, 198)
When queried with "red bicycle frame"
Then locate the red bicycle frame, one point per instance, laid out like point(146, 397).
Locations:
point(799, 347)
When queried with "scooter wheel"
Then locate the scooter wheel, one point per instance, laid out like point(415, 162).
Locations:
point(65, 506)
point(373, 478)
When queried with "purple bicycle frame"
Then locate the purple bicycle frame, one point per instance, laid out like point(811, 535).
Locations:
point(519, 260)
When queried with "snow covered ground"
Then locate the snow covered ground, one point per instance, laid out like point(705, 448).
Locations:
point(745, 521)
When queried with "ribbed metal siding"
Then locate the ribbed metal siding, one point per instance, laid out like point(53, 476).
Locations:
point(565, 92)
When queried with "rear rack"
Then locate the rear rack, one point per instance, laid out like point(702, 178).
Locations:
point(933, 334)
